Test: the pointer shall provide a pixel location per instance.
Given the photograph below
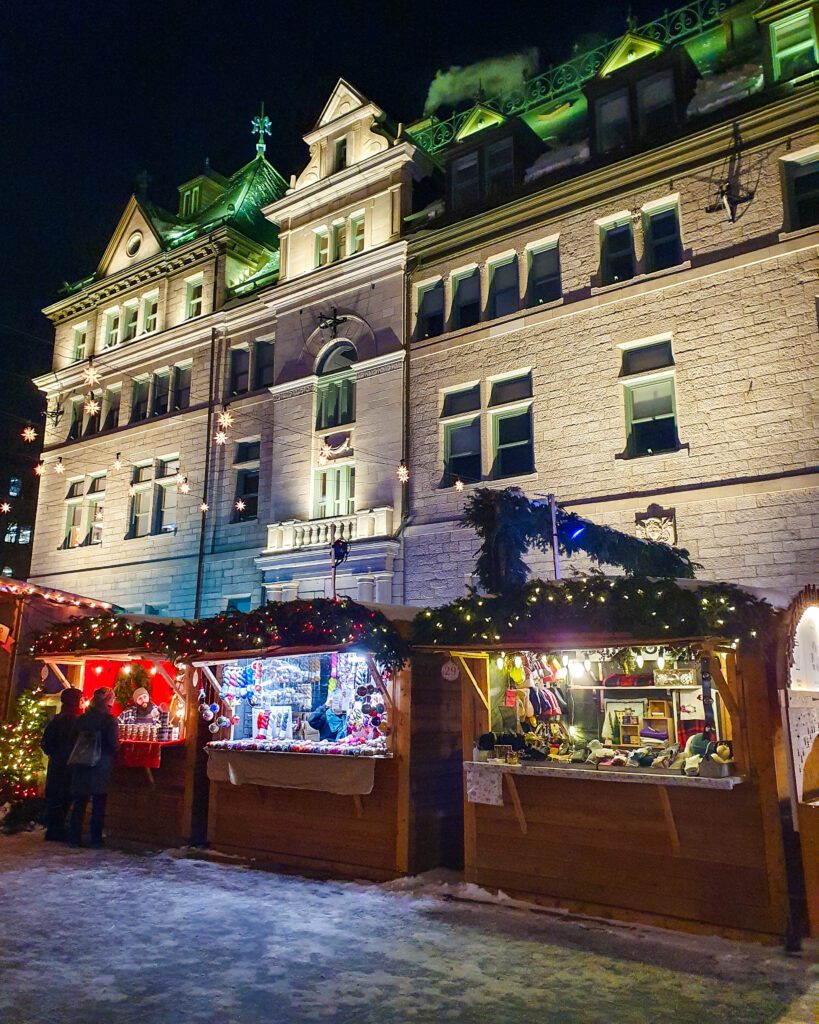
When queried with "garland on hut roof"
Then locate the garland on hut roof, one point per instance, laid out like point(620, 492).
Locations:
point(632, 606)
point(317, 623)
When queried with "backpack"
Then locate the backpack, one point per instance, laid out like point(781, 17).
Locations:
point(87, 749)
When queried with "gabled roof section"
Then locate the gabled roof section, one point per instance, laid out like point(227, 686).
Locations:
point(478, 118)
point(136, 223)
point(343, 99)
point(630, 48)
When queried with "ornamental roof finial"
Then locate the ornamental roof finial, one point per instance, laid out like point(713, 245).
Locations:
point(261, 127)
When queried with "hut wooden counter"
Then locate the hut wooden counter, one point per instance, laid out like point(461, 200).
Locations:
point(633, 796)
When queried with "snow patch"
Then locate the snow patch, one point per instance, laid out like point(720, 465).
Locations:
point(556, 159)
point(717, 91)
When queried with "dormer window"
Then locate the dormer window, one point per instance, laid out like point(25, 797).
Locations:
point(466, 182)
point(190, 201)
point(655, 103)
point(340, 154)
point(500, 167)
point(793, 46)
point(613, 121)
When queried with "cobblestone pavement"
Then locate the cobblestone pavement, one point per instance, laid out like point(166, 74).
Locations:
point(116, 938)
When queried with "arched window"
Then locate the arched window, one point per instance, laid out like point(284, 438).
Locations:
point(340, 356)
point(335, 399)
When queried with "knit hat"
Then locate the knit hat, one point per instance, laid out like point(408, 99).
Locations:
point(101, 697)
point(70, 698)
point(140, 691)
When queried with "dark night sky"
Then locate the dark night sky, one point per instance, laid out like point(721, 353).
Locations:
point(94, 92)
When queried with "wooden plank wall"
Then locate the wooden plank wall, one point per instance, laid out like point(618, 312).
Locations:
point(319, 832)
point(436, 767)
point(155, 815)
point(603, 847)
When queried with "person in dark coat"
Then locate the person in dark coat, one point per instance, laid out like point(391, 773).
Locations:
point(92, 781)
point(57, 743)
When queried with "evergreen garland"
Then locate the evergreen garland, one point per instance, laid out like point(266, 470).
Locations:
point(508, 523)
point(317, 623)
point(624, 606)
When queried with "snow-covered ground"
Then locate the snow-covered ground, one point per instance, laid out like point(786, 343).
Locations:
point(101, 937)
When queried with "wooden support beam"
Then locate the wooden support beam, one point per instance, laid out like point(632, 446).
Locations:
point(516, 804)
point(473, 680)
point(206, 669)
point(58, 672)
point(668, 814)
point(379, 680)
point(177, 688)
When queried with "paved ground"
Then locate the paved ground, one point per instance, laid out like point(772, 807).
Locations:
point(99, 936)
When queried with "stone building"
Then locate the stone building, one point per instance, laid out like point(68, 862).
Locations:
point(601, 285)
point(616, 300)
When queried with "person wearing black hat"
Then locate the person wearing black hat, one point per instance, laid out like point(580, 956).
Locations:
point(58, 741)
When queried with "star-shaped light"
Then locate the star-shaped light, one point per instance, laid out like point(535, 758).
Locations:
point(131, 490)
point(99, 516)
point(322, 459)
point(59, 467)
point(90, 374)
point(220, 437)
point(39, 469)
point(459, 484)
point(180, 478)
point(184, 487)
point(203, 507)
point(29, 434)
point(5, 507)
point(402, 472)
point(240, 505)
point(225, 418)
point(117, 462)
point(92, 406)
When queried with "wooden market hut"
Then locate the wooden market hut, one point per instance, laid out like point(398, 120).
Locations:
point(156, 793)
point(653, 846)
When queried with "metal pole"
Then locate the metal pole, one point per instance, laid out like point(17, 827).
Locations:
point(555, 546)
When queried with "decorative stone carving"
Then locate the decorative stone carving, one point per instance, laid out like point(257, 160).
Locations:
point(657, 524)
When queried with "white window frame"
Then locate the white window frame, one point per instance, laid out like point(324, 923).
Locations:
point(420, 289)
point(606, 224)
point(359, 217)
point(634, 380)
point(193, 302)
point(148, 300)
point(79, 342)
point(455, 277)
point(140, 488)
point(531, 250)
point(341, 471)
point(74, 536)
point(493, 264)
point(112, 327)
point(130, 319)
point(650, 210)
point(792, 166)
point(807, 16)
point(321, 240)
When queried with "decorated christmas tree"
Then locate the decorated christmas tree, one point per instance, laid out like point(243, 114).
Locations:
point(20, 756)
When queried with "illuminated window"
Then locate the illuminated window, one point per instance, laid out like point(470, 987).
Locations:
point(73, 526)
point(650, 407)
point(111, 332)
point(357, 233)
point(322, 248)
point(339, 240)
point(166, 512)
point(150, 313)
point(793, 46)
point(335, 492)
point(193, 298)
point(24, 535)
point(130, 314)
point(79, 342)
point(15, 485)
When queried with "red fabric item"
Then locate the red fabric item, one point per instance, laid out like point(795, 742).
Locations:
point(160, 691)
point(143, 754)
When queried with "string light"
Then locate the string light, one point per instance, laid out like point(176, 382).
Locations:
point(92, 406)
point(402, 472)
point(459, 484)
point(90, 374)
point(131, 490)
point(240, 506)
point(180, 478)
point(118, 461)
point(5, 507)
point(39, 469)
point(203, 507)
point(59, 468)
point(225, 418)
point(29, 434)
point(98, 515)
point(184, 487)
point(220, 437)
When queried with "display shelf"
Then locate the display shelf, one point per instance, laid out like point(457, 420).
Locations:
point(695, 686)
point(606, 773)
